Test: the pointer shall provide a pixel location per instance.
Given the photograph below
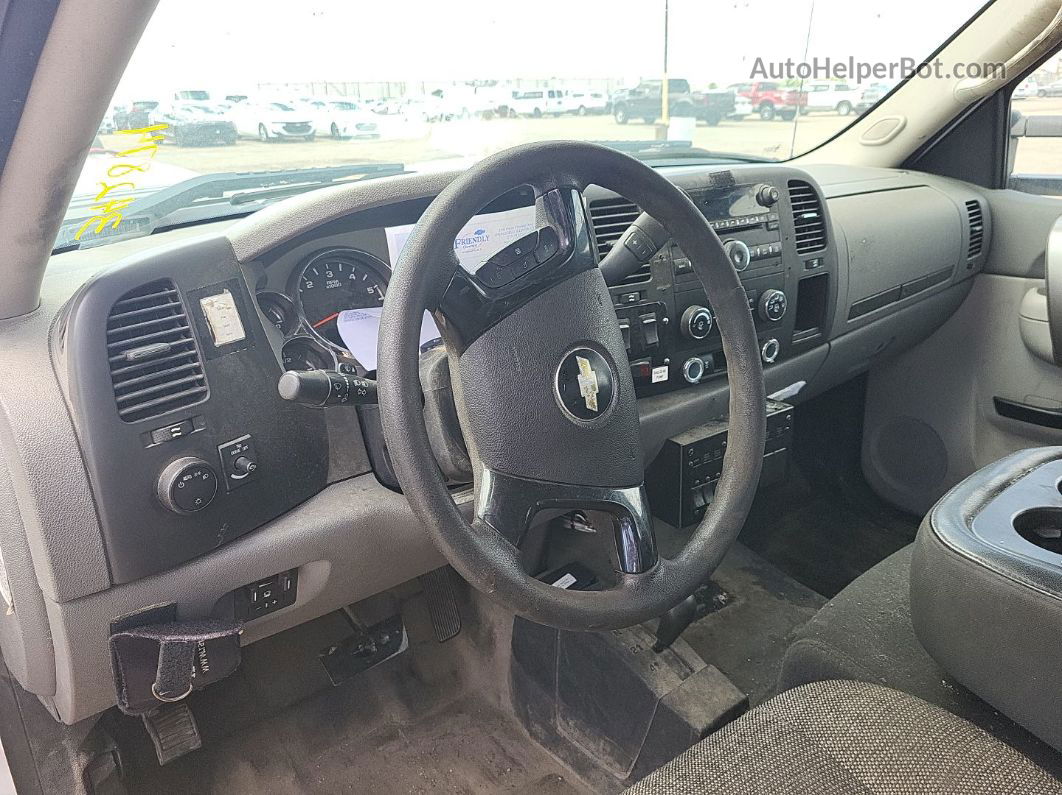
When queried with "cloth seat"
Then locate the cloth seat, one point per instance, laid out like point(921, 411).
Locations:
point(849, 738)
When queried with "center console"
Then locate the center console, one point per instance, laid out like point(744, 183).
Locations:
point(986, 587)
point(775, 232)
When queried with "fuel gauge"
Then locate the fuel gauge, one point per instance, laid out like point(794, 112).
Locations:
point(278, 310)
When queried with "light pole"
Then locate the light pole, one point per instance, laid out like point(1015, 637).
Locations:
point(665, 99)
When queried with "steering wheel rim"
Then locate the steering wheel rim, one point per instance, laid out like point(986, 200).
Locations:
point(426, 272)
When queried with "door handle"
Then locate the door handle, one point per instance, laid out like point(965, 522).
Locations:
point(1053, 286)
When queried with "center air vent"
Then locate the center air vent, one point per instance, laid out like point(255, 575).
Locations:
point(610, 219)
point(155, 365)
point(808, 220)
point(975, 215)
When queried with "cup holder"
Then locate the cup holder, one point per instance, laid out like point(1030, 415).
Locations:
point(1042, 527)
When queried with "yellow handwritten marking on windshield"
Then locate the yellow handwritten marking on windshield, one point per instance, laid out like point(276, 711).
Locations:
point(109, 211)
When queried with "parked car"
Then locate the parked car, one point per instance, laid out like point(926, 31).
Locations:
point(742, 108)
point(271, 121)
point(1025, 89)
point(536, 103)
point(871, 95)
point(462, 103)
point(582, 102)
point(770, 99)
point(714, 105)
point(134, 115)
point(1050, 90)
point(193, 95)
point(826, 95)
point(194, 123)
point(343, 118)
point(413, 108)
point(645, 101)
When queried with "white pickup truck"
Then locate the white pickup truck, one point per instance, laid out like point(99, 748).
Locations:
point(826, 95)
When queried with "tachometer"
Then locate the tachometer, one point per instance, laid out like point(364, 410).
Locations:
point(334, 281)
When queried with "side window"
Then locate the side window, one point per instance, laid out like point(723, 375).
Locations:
point(1035, 151)
point(841, 87)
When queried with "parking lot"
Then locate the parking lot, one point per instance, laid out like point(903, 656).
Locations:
point(419, 142)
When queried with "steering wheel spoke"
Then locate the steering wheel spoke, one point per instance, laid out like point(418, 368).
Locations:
point(557, 249)
point(509, 504)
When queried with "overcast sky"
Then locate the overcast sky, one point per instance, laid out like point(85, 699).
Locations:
point(230, 45)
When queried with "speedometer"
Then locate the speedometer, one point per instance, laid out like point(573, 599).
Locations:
point(337, 280)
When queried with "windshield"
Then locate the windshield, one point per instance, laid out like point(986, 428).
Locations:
point(438, 86)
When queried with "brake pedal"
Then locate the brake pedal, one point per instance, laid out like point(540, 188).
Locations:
point(442, 604)
point(173, 731)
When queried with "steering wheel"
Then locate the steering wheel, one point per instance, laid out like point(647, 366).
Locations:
point(544, 388)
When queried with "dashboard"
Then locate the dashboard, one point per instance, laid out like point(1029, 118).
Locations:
point(159, 360)
point(324, 298)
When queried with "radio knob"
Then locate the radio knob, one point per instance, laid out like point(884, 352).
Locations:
point(739, 254)
point(770, 350)
point(767, 195)
point(187, 485)
point(693, 369)
point(773, 304)
point(696, 322)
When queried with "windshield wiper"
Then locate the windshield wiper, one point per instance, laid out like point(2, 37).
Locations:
point(240, 190)
point(679, 150)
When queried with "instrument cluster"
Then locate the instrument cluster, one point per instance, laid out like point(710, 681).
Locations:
point(309, 313)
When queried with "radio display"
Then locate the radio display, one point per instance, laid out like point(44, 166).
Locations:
point(730, 203)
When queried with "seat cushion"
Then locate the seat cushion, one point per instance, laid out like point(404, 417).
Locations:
point(847, 737)
point(865, 633)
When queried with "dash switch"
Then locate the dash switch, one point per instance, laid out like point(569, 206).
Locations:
point(650, 332)
point(239, 462)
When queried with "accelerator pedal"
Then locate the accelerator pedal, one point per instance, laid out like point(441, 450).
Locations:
point(442, 604)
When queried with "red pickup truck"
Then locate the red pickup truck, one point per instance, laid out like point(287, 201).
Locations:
point(771, 99)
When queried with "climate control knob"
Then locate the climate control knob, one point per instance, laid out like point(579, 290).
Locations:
point(693, 369)
point(770, 350)
point(767, 195)
point(739, 254)
point(696, 322)
point(773, 304)
point(187, 485)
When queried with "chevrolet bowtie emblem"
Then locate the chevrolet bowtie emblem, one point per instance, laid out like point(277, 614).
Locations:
point(587, 383)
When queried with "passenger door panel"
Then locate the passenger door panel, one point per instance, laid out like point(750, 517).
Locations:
point(981, 387)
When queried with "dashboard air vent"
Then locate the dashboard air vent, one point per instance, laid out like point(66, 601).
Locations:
point(808, 219)
point(610, 219)
point(975, 215)
point(154, 362)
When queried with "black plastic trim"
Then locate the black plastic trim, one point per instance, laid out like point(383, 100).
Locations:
point(1033, 415)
